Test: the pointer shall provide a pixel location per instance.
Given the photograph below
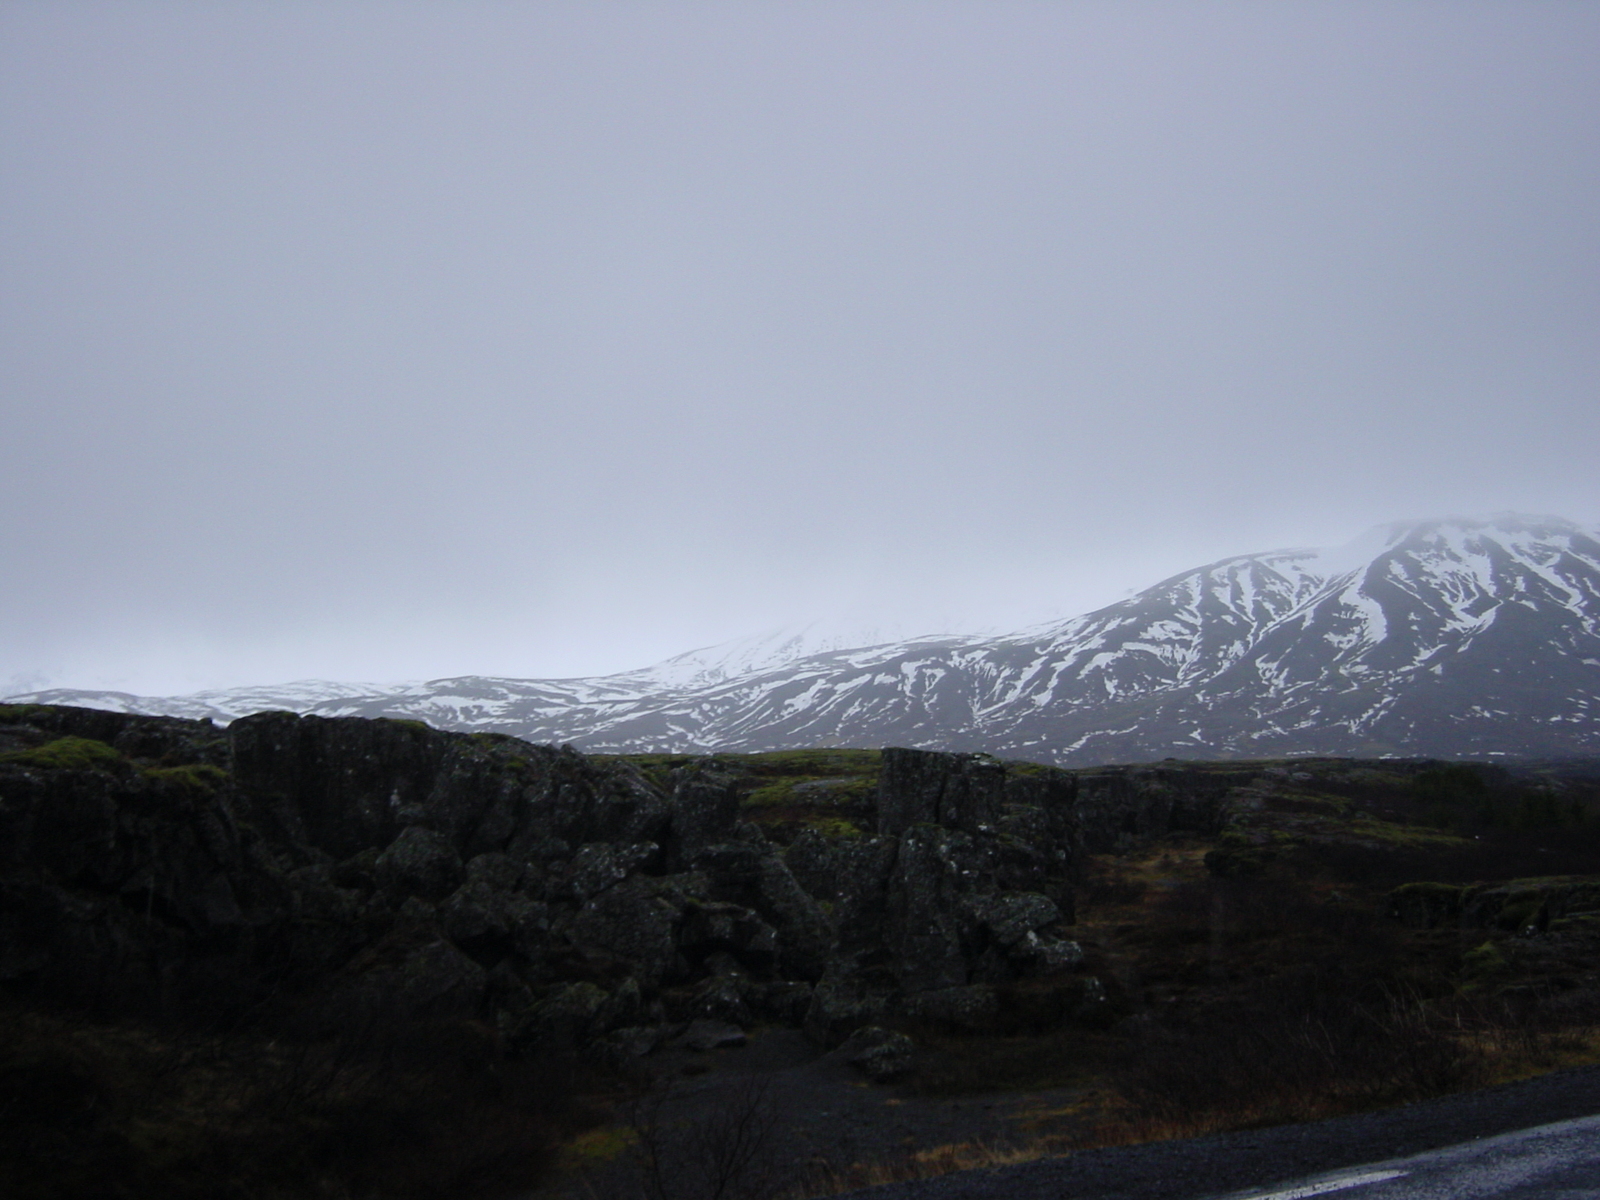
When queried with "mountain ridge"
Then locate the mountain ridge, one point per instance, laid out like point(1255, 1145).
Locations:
point(1475, 637)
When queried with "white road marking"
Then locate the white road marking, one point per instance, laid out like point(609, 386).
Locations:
point(1330, 1185)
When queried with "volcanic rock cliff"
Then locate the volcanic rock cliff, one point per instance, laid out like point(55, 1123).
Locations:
point(154, 865)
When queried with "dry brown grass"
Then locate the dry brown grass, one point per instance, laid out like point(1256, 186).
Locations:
point(1511, 1053)
point(931, 1163)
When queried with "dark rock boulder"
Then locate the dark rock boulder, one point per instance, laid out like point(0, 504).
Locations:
point(724, 999)
point(969, 1009)
point(634, 924)
point(597, 865)
point(333, 784)
point(704, 811)
point(963, 792)
point(1010, 917)
point(420, 862)
point(1427, 905)
point(939, 876)
point(732, 929)
point(844, 1000)
point(880, 1054)
point(490, 924)
point(851, 877)
point(566, 797)
point(567, 1019)
point(499, 872)
point(1121, 806)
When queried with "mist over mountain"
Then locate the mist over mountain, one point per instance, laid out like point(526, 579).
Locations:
point(1450, 637)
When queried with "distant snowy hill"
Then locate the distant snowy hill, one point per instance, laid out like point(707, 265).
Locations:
point(761, 652)
point(1454, 637)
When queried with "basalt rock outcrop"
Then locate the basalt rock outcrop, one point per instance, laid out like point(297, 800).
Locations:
point(1554, 903)
point(326, 865)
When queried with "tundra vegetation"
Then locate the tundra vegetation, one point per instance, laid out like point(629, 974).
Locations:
point(364, 958)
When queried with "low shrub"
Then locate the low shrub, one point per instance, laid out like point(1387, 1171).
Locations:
point(1296, 1062)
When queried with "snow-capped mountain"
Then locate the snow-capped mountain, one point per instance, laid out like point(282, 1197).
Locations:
point(766, 651)
point(1449, 637)
point(468, 702)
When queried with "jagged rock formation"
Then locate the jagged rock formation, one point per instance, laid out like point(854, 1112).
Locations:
point(155, 864)
point(1444, 638)
point(1558, 904)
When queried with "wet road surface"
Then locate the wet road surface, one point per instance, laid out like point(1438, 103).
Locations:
point(1549, 1162)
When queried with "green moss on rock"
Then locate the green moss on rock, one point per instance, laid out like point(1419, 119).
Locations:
point(409, 723)
point(67, 754)
point(193, 777)
point(833, 827)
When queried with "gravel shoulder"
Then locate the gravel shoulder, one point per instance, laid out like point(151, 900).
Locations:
point(829, 1116)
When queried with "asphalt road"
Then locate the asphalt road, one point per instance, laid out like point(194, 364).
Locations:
point(1538, 1138)
point(1549, 1162)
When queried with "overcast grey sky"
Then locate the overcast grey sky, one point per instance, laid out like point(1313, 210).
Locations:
point(392, 340)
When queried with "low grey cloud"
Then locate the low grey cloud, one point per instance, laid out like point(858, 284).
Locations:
point(387, 341)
